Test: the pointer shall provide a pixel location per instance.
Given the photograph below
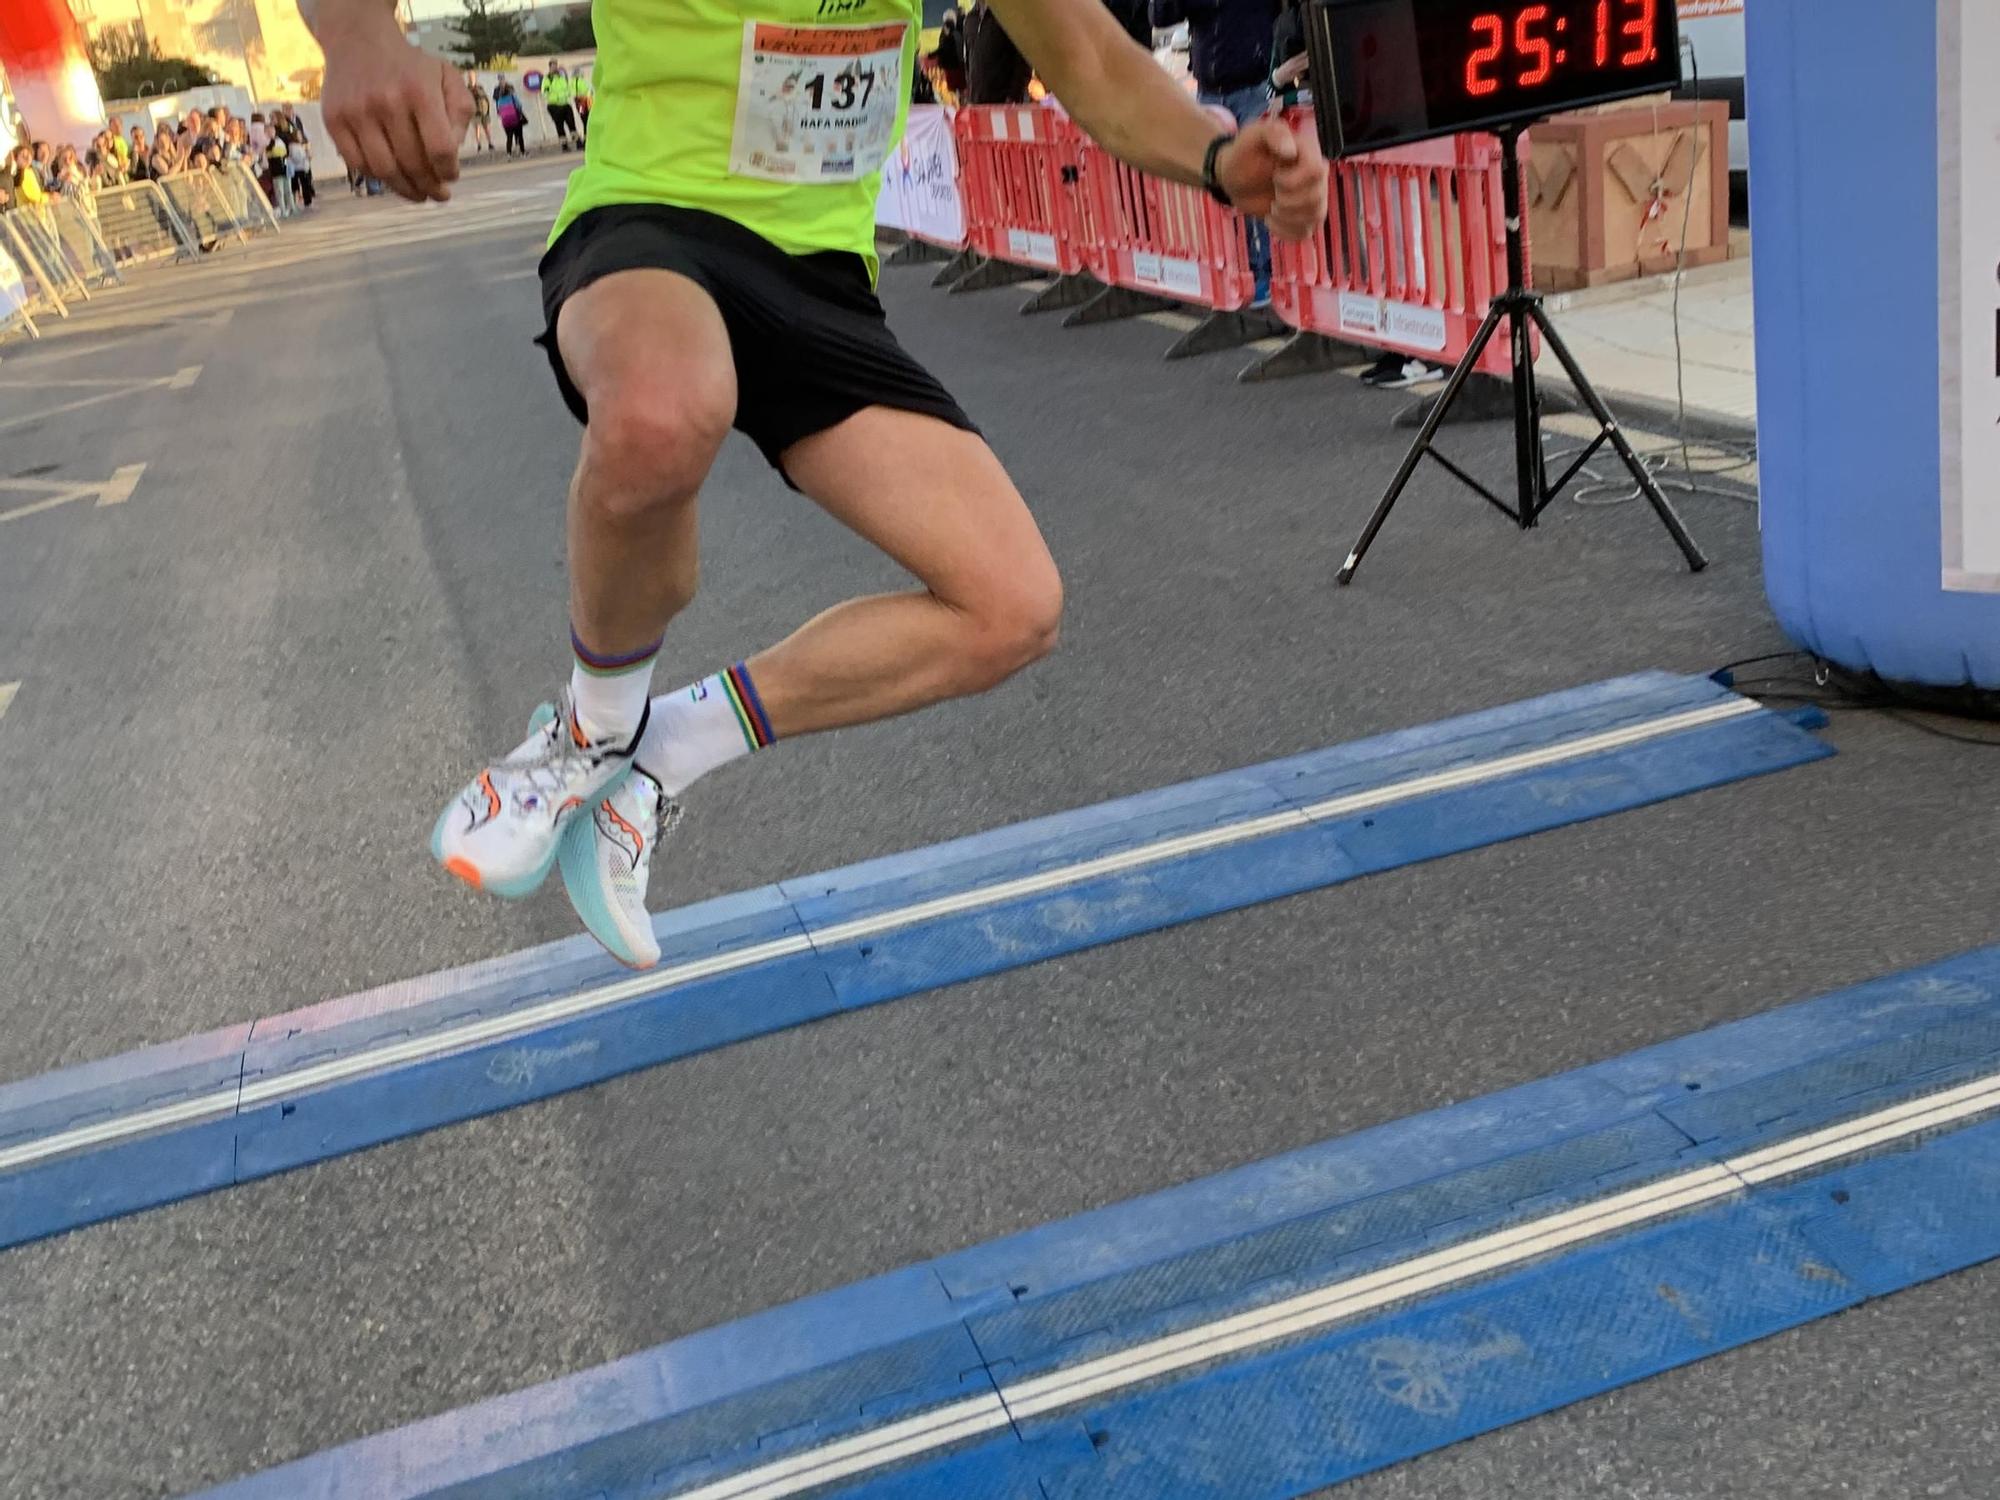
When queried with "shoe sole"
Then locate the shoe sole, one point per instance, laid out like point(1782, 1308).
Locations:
point(578, 859)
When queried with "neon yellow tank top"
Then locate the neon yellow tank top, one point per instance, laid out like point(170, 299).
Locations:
point(777, 114)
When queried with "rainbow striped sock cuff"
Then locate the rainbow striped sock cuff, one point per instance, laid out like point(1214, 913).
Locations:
point(750, 715)
point(611, 666)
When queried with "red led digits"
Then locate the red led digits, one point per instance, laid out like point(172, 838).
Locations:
point(1535, 49)
point(1603, 32)
point(1495, 29)
point(1643, 32)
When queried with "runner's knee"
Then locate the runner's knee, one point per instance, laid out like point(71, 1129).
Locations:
point(651, 442)
point(1015, 627)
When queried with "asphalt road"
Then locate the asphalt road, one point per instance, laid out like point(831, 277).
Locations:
point(337, 586)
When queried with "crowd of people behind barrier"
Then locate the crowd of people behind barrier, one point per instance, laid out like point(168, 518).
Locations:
point(275, 149)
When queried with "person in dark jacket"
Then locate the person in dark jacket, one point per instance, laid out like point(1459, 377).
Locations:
point(995, 71)
point(1229, 46)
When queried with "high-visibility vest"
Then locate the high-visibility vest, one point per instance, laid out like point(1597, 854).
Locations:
point(556, 90)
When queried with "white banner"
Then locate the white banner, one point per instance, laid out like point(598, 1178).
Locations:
point(13, 290)
point(1968, 296)
point(920, 181)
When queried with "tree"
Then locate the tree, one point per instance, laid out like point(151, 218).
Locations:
point(573, 33)
point(488, 35)
point(127, 65)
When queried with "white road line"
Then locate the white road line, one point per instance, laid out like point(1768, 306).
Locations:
point(125, 479)
point(113, 491)
point(1344, 1301)
point(7, 692)
point(585, 1002)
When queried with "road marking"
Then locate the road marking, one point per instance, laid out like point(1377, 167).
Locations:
point(7, 692)
point(180, 380)
point(1475, 1259)
point(113, 491)
point(566, 1008)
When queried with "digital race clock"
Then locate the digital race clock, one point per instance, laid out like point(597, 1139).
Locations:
point(1387, 72)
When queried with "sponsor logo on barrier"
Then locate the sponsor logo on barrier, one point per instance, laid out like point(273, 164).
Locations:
point(1040, 249)
point(1695, 10)
point(1182, 278)
point(1402, 323)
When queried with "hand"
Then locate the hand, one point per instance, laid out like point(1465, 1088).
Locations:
point(394, 111)
point(1274, 173)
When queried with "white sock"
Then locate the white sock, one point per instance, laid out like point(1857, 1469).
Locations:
point(702, 726)
point(611, 704)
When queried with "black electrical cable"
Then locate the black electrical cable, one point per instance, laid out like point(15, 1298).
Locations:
point(1823, 693)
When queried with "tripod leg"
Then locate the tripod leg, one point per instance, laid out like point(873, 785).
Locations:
point(1439, 410)
point(1641, 475)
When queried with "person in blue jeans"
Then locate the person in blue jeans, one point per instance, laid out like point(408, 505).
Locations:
point(1229, 43)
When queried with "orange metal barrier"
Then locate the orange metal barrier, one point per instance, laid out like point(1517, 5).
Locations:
point(1413, 251)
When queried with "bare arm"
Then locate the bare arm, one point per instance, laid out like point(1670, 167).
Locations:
point(393, 111)
point(1114, 89)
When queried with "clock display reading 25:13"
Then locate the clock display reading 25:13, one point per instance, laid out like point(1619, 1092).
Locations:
point(1525, 48)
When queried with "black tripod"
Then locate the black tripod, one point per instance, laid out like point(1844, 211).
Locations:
point(1517, 306)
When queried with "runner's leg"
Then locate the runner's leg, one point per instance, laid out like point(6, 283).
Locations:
point(650, 354)
point(937, 501)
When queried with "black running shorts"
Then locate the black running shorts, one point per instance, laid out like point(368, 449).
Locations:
point(812, 346)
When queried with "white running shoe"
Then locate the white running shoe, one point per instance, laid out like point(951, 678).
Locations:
point(501, 834)
point(607, 860)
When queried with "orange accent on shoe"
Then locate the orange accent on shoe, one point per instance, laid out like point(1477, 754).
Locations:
point(638, 838)
point(573, 802)
point(492, 797)
point(465, 870)
point(576, 733)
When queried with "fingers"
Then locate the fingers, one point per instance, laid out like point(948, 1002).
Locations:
point(438, 141)
point(1282, 141)
point(378, 157)
point(413, 157)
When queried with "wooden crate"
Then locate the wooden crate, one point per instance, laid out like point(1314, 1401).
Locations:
point(1607, 190)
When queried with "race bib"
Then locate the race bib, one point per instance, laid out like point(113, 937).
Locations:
point(817, 103)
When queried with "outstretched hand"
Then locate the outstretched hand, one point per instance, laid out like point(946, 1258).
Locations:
point(394, 111)
point(1275, 173)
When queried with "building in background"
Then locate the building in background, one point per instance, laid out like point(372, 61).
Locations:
point(439, 35)
point(262, 45)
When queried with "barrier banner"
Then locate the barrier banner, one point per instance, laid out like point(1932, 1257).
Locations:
point(920, 181)
point(13, 290)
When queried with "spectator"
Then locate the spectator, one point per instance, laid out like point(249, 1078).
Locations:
point(168, 158)
point(278, 163)
point(30, 190)
point(141, 156)
point(949, 58)
point(995, 70)
point(482, 118)
point(120, 148)
point(1229, 43)
point(66, 175)
point(1134, 19)
point(559, 94)
point(298, 160)
point(580, 83)
point(513, 117)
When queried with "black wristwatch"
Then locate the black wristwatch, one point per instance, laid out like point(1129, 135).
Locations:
point(1208, 178)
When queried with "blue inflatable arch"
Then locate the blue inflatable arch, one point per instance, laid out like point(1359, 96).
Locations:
point(1875, 176)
